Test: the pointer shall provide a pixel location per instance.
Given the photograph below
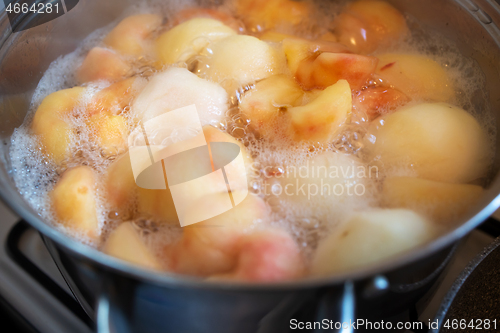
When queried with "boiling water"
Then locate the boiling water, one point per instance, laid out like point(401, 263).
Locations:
point(307, 220)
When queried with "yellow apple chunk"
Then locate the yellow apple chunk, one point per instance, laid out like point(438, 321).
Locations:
point(436, 141)
point(176, 88)
point(49, 124)
point(102, 64)
point(73, 201)
point(328, 68)
point(298, 50)
point(119, 185)
point(110, 132)
point(441, 202)
point(125, 243)
point(263, 103)
point(260, 15)
point(243, 59)
point(189, 38)
point(321, 119)
point(367, 25)
point(130, 35)
point(116, 97)
point(370, 237)
point(416, 76)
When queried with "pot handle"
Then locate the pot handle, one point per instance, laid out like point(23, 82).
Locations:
point(331, 308)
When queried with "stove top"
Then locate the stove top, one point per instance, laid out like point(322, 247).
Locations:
point(35, 298)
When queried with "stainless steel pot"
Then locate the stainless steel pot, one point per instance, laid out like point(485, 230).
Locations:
point(125, 298)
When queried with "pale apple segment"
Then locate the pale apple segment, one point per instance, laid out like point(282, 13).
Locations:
point(298, 50)
point(370, 237)
point(367, 25)
point(110, 133)
point(130, 35)
point(242, 60)
point(442, 202)
point(125, 243)
point(262, 104)
point(49, 125)
point(328, 68)
point(189, 38)
point(102, 64)
point(119, 184)
point(176, 88)
point(209, 247)
point(260, 15)
point(417, 76)
point(438, 142)
point(73, 201)
point(321, 119)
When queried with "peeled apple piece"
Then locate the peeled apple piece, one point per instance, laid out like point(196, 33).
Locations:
point(416, 76)
point(262, 103)
point(189, 38)
point(438, 142)
point(110, 133)
point(441, 202)
point(367, 25)
point(176, 88)
point(102, 64)
point(119, 184)
point(321, 119)
point(370, 237)
point(49, 125)
point(125, 243)
point(73, 201)
point(116, 97)
point(130, 36)
point(209, 247)
point(242, 59)
point(261, 15)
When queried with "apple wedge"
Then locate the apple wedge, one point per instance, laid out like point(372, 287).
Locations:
point(130, 36)
point(102, 64)
point(54, 133)
point(119, 185)
point(368, 25)
point(74, 203)
point(263, 103)
point(321, 119)
point(176, 88)
point(328, 68)
point(371, 102)
point(110, 133)
point(189, 38)
point(208, 247)
point(370, 237)
point(260, 15)
point(441, 202)
point(125, 243)
point(437, 141)
point(242, 59)
point(416, 76)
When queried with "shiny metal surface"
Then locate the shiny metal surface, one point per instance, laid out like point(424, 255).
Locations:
point(146, 298)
